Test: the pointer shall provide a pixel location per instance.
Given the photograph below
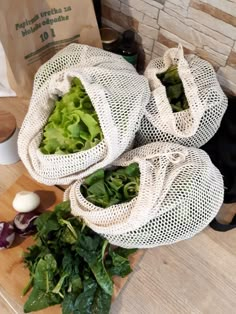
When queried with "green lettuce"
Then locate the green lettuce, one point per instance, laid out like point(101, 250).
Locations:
point(73, 125)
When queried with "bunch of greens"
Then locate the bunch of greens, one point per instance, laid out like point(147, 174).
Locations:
point(73, 125)
point(109, 187)
point(71, 265)
point(174, 89)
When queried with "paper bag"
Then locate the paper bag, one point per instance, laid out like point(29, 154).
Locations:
point(32, 31)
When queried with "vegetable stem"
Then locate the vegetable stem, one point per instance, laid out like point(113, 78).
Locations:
point(69, 226)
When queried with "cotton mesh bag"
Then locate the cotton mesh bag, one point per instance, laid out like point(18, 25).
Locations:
point(118, 95)
point(207, 102)
point(180, 192)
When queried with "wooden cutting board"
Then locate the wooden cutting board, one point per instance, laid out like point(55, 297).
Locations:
point(13, 275)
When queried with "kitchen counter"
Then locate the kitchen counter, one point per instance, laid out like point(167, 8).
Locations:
point(192, 276)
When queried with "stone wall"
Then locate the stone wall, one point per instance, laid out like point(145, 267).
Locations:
point(204, 27)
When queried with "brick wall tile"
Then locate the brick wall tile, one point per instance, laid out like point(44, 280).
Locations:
point(148, 31)
point(119, 18)
point(166, 37)
point(147, 43)
point(154, 55)
point(234, 47)
point(109, 23)
point(159, 49)
point(232, 59)
point(147, 20)
point(209, 32)
point(180, 3)
point(190, 35)
point(227, 84)
point(131, 12)
point(114, 4)
point(143, 7)
point(178, 28)
point(148, 56)
point(223, 10)
point(212, 22)
point(156, 3)
point(201, 28)
point(213, 57)
point(228, 73)
point(176, 9)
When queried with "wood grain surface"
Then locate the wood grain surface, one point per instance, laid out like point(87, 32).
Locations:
point(196, 276)
point(7, 125)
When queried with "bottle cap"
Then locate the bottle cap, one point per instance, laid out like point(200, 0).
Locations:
point(108, 35)
point(129, 36)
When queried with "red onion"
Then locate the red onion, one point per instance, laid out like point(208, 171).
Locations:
point(24, 223)
point(7, 235)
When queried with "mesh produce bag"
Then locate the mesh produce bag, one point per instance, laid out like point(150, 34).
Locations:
point(206, 100)
point(117, 93)
point(180, 193)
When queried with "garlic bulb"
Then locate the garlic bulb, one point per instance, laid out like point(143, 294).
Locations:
point(25, 201)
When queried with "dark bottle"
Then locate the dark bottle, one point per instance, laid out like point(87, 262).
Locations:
point(128, 47)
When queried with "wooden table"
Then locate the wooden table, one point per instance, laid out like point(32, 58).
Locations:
point(194, 276)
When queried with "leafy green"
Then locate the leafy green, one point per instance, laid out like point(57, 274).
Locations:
point(71, 265)
point(84, 301)
point(124, 252)
point(101, 302)
point(121, 266)
point(44, 280)
point(106, 188)
point(73, 125)
point(174, 89)
point(93, 250)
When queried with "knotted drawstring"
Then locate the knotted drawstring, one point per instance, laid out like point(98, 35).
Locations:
point(174, 157)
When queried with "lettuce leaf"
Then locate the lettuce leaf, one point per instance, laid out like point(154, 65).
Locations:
point(73, 125)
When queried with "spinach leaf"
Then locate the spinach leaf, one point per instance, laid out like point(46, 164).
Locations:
point(100, 272)
point(44, 281)
point(96, 176)
point(40, 299)
point(63, 209)
point(120, 265)
point(94, 256)
point(101, 302)
point(109, 187)
point(132, 170)
point(45, 224)
point(68, 303)
point(124, 252)
point(71, 265)
point(174, 89)
point(83, 303)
